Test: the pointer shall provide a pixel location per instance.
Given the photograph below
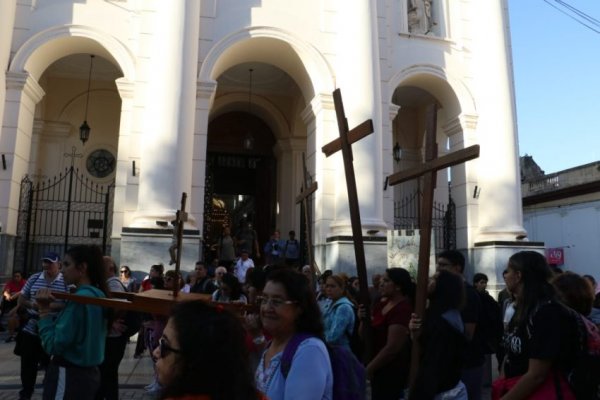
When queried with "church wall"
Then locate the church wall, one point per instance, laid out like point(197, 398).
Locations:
point(311, 27)
point(573, 227)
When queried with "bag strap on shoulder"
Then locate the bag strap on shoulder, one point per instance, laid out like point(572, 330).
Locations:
point(290, 351)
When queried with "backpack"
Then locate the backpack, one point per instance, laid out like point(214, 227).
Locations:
point(349, 375)
point(490, 324)
point(291, 248)
point(356, 344)
point(585, 376)
point(131, 319)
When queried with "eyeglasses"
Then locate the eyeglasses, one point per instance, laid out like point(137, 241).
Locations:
point(164, 349)
point(123, 271)
point(273, 302)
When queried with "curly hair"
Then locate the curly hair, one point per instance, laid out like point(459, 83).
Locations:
point(401, 278)
point(213, 358)
point(297, 288)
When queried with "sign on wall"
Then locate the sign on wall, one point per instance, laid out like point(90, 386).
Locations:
point(555, 256)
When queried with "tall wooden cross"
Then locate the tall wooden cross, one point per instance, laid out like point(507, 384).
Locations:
point(303, 199)
point(343, 143)
point(428, 171)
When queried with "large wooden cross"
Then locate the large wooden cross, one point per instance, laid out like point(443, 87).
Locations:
point(306, 191)
point(428, 171)
point(343, 143)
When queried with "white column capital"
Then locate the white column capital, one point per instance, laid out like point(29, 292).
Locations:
point(125, 87)
point(206, 90)
point(393, 111)
point(321, 101)
point(24, 82)
point(290, 144)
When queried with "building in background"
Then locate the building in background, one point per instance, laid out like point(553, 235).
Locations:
point(221, 100)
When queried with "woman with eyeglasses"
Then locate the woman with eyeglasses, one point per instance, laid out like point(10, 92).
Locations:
point(289, 313)
point(339, 315)
point(202, 356)
point(127, 280)
point(76, 337)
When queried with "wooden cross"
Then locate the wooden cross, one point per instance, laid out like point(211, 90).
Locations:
point(428, 171)
point(180, 217)
point(303, 199)
point(343, 143)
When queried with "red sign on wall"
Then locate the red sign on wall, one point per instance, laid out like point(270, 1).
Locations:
point(555, 256)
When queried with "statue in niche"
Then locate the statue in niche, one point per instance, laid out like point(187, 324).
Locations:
point(419, 17)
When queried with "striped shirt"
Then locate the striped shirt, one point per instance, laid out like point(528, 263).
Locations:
point(35, 283)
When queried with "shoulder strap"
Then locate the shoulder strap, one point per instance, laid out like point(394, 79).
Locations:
point(290, 351)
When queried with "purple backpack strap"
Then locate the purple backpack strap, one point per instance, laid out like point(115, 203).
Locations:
point(290, 351)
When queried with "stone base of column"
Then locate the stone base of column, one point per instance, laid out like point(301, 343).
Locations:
point(7, 254)
point(337, 254)
point(491, 258)
point(140, 248)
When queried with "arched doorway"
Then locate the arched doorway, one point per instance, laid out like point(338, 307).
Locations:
point(240, 177)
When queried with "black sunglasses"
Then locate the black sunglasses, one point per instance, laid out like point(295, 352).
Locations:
point(164, 349)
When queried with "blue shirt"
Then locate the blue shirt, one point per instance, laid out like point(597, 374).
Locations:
point(339, 322)
point(35, 283)
point(310, 376)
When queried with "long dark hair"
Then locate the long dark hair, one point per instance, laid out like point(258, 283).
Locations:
point(234, 284)
point(401, 278)
point(448, 294)
point(92, 256)
point(298, 289)
point(535, 278)
point(213, 358)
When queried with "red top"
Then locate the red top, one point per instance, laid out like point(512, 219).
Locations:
point(399, 314)
point(14, 287)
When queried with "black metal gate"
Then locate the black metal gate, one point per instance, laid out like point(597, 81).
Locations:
point(60, 212)
point(407, 216)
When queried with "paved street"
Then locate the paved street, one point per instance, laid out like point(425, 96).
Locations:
point(134, 374)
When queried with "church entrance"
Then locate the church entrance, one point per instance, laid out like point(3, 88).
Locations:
point(240, 179)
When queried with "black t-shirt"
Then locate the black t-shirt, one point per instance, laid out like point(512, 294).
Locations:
point(550, 335)
point(473, 355)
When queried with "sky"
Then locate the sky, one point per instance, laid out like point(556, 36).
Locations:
point(556, 63)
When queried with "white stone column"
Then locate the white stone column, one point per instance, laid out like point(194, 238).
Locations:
point(22, 94)
point(7, 21)
point(166, 165)
point(498, 163)
point(205, 94)
point(290, 179)
point(358, 77)
point(124, 175)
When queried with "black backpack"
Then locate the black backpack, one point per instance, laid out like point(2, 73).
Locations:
point(585, 376)
point(490, 325)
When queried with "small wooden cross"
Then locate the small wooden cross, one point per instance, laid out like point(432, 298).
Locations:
point(180, 217)
point(343, 143)
point(303, 199)
point(428, 171)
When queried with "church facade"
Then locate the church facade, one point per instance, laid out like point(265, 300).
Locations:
point(229, 101)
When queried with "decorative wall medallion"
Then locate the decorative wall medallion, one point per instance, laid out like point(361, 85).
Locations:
point(100, 163)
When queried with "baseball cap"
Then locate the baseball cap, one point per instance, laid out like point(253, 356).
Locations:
point(51, 256)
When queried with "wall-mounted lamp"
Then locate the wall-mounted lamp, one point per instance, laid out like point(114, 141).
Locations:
point(476, 192)
point(397, 152)
point(84, 129)
point(3, 162)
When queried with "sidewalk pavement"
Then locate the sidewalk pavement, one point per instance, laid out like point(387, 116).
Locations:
point(134, 374)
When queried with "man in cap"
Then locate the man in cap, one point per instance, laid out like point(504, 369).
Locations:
point(29, 345)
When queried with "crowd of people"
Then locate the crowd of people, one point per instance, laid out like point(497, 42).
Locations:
point(282, 349)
